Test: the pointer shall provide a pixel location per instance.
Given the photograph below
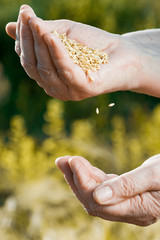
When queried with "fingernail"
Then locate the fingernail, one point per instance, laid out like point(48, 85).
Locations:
point(24, 6)
point(104, 194)
point(70, 163)
point(57, 160)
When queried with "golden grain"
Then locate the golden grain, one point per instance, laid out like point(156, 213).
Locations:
point(97, 110)
point(87, 58)
point(111, 104)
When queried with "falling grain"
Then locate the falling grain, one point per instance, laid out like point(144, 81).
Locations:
point(111, 104)
point(97, 110)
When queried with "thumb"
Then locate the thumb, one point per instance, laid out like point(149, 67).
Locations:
point(125, 186)
point(11, 29)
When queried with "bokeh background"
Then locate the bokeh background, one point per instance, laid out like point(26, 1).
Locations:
point(35, 202)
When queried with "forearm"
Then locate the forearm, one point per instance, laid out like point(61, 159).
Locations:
point(147, 45)
point(150, 78)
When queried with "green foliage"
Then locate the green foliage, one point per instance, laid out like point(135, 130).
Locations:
point(131, 148)
point(25, 157)
point(37, 204)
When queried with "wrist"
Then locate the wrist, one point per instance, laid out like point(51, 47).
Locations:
point(145, 47)
point(149, 77)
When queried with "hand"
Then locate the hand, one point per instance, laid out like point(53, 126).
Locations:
point(133, 197)
point(45, 59)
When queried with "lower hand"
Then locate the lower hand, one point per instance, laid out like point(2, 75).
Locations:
point(133, 197)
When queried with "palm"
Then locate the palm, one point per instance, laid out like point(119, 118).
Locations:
point(111, 76)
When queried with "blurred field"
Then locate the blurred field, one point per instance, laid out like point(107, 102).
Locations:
point(35, 202)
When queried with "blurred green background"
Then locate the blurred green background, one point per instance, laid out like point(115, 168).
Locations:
point(35, 202)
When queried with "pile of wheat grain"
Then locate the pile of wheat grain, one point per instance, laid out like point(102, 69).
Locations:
point(87, 58)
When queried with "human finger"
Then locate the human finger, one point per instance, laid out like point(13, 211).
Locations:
point(59, 25)
point(141, 210)
point(86, 177)
point(45, 66)
point(127, 185)
point(11, 29)
point(82, 178)
point(28, 57)
point(63, 164)
point(17, 42)
point(66, 68)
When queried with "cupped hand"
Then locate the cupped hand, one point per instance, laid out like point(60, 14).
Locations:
point(45, 59)
point(133, 197)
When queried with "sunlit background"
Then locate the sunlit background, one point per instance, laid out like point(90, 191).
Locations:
point(35, 202)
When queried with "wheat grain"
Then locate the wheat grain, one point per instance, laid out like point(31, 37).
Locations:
point(111, 104)
point(87, 58)
point(97, 110)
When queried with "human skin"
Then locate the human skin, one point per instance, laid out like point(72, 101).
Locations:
point(134, 58)
point(135, 196)
point(134, 64)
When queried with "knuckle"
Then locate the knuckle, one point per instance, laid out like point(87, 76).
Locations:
point(90, 212)
point(25, 64)
point(95, 210)
point(66, 74)
point(41, 84)
point(146, 210)
point(56, 90)
point(58, 58)
point(127, 186)
point(44, 72)
point(50, 92)
point(94, 207)
point(30, 68)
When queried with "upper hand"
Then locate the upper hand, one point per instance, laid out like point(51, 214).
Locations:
point(133, 197)
point(45, 59)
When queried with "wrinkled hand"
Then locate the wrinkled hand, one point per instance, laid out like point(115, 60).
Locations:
point(45, 59)
point(133, 197)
